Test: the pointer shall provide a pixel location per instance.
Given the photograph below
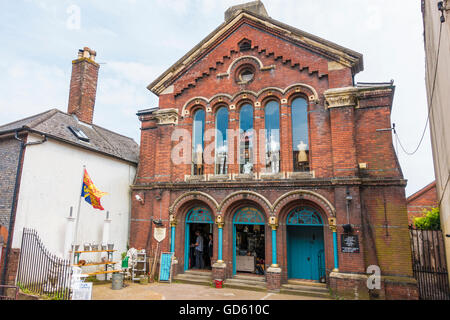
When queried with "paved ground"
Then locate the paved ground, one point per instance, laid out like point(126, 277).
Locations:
point(181, 291)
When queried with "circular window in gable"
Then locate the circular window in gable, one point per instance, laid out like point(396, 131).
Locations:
point(245, 74)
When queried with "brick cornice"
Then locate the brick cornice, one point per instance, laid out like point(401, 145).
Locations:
point(257, 184)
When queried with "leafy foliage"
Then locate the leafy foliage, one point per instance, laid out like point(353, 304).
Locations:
point(430, 221)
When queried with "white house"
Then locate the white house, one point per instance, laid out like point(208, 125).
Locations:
point(42, 175)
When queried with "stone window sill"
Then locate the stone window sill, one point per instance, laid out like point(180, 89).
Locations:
point(300, 175)
point(271, 176)
point(244, 176)
point(194, 178)
point(219, 177)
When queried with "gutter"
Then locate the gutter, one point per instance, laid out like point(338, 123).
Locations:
point(12, 218)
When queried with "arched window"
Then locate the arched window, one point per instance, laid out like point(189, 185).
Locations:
point(221, 141)
point(197, 142)
point(246, 139)
point(300, 140)
point(272, 121)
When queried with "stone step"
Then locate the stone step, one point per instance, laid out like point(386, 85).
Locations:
point(198, 272)
point(246, 281)
point(193, 279)
point(309, 293)
point(248, 277)
point(298, 287)
point(194, 276)
point(244, 286)
point(307, 283)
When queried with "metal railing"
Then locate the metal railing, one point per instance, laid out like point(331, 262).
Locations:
point(429, 264)
point(41, 272)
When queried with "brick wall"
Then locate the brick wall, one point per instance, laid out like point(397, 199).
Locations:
point(9, 154)
point(341, 138)
point(13, 266)
point(423, 200)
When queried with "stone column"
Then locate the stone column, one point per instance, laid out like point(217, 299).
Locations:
point(218, 268)
point(333, 228)
point(173, 225)
point(273, 274)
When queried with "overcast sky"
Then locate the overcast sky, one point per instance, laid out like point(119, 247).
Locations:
point(136, 40)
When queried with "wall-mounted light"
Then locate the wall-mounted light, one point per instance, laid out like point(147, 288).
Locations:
point(139, 198)
point(347, 228)
point(348, 198)
point(442, 8)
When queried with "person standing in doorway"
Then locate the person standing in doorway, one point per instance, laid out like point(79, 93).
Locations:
point(210, 250)
point(198, 249)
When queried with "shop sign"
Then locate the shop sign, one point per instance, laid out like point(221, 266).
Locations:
point(83, 291)
point(159, 234)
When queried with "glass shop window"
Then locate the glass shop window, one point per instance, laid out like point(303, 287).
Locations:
point(221, 141)
point(300, 139)
point(198, 142)
point(246, 139)
point(272, 122)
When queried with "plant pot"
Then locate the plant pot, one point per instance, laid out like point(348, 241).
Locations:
point(218, 283)
point(87, 247)
point(110, 246)
point(104, 247)
point(94, 247)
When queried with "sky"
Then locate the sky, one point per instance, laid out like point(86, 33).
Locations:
point(137, 40)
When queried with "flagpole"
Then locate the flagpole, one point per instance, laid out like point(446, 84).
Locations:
point(79, 206)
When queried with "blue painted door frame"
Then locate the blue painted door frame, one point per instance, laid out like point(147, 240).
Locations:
point(305, 244)
point(195, 215)
point(245, 216)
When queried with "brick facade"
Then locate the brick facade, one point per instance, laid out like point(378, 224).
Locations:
point(423, 200)
point(348, 156)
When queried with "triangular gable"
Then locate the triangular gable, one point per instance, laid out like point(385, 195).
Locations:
point(313, 43)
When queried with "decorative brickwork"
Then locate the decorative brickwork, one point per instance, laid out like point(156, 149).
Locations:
point(354, 173)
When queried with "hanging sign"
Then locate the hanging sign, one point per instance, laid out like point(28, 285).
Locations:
point(159, 234)
point(349, 243)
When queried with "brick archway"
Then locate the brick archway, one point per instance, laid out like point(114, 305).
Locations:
point(303, 198)
point(245, 195)
point(188, 197)
point(228, 208)
point(311, 196)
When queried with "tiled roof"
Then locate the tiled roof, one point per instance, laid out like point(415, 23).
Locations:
point(55, 124)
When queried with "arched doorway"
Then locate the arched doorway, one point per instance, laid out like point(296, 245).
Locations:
point(248, 241)
point(198, 218)
point(305, 244)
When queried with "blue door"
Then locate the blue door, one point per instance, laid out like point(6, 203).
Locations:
point(305, 244)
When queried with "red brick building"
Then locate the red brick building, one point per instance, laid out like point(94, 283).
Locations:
point(309, 188)
point(423, 200)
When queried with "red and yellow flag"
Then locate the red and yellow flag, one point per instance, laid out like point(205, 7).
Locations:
point(90, 193)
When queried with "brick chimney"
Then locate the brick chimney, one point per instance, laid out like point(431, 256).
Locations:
point(83, 85)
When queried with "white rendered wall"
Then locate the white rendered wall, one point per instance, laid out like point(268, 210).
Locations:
point(51, 184)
